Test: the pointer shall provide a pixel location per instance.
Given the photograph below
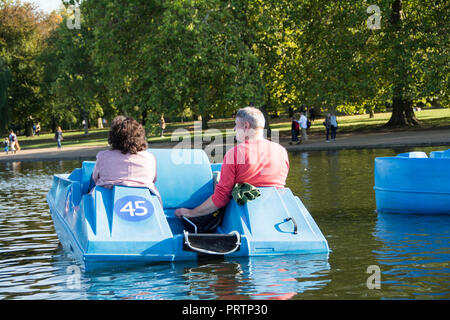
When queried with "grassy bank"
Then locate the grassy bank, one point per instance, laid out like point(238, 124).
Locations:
point(430, 118)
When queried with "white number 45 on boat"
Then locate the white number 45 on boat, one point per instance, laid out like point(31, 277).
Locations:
point(138, 205)
point(133, 208)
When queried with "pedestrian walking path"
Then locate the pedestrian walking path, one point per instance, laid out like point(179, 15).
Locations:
point(388, 139)
point(45, 154)
point(375, 140)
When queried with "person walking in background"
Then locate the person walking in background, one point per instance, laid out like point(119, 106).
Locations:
point(162, 125)
point(6, 145)
point(38, 128)
point(295, 131)
point(327, 124)
point(303, 121)
point(59, 137)
point(334, 125)
point(13, 143)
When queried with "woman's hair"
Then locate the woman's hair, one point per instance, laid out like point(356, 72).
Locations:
point(127, 135)
point(117, 120)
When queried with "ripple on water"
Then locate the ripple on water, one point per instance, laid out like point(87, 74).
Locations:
point(336, 187)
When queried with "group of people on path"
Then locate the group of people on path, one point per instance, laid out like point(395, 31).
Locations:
point(11, 143)
point(299, 127)
point(331, 125)
point(254, 160)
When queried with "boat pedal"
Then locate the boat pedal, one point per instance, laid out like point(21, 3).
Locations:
point(212, 243)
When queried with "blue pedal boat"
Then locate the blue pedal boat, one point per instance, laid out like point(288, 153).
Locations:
point(127, 225)
point(413, 183)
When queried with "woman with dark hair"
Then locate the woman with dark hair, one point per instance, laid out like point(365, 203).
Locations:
point(127, 163)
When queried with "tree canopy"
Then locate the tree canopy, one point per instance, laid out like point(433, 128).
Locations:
point(208, 58)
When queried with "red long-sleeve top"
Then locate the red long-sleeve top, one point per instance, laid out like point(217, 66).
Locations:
point(261, 163)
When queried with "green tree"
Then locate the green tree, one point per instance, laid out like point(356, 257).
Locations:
point(269, 32)
point(218, 66)
point(172, 57)
point(72, 85)
point(144, 58)
point(122, 36)
point(417, 55)
point(23, 30)
point(342, 63)
point(5, 78)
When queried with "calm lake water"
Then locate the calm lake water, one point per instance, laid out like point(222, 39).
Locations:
point(412, 252)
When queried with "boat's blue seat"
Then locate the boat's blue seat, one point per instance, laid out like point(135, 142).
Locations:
point(86, 181)
point(184, 177)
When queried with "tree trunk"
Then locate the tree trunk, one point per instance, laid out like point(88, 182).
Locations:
point(291, 112)
point(267, 124)
point(144, 117)
point(54, 124)
point(85, 123)
point(205, 118)
point(100, 123)
point(29, 129)
point(402, 111)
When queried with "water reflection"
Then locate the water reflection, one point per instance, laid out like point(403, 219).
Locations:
point(415, 255)
point(28, 243)
point(277, 278)
point(305, 178)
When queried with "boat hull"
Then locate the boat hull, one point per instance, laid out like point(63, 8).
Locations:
point(123, 226)
point(412, 183)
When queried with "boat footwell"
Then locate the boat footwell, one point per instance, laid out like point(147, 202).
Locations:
point(212, 243)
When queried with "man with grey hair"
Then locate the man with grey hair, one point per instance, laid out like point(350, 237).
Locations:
point(255, 160)
point(253, 116)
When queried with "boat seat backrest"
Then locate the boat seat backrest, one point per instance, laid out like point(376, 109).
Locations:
point(184, 177)
point(86, 180)
point(413, 154)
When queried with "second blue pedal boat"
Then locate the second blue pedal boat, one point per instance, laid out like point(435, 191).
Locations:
point(413, 183)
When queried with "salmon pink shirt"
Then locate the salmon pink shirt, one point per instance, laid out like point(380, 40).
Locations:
point(261, 163)
point(134, 170)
